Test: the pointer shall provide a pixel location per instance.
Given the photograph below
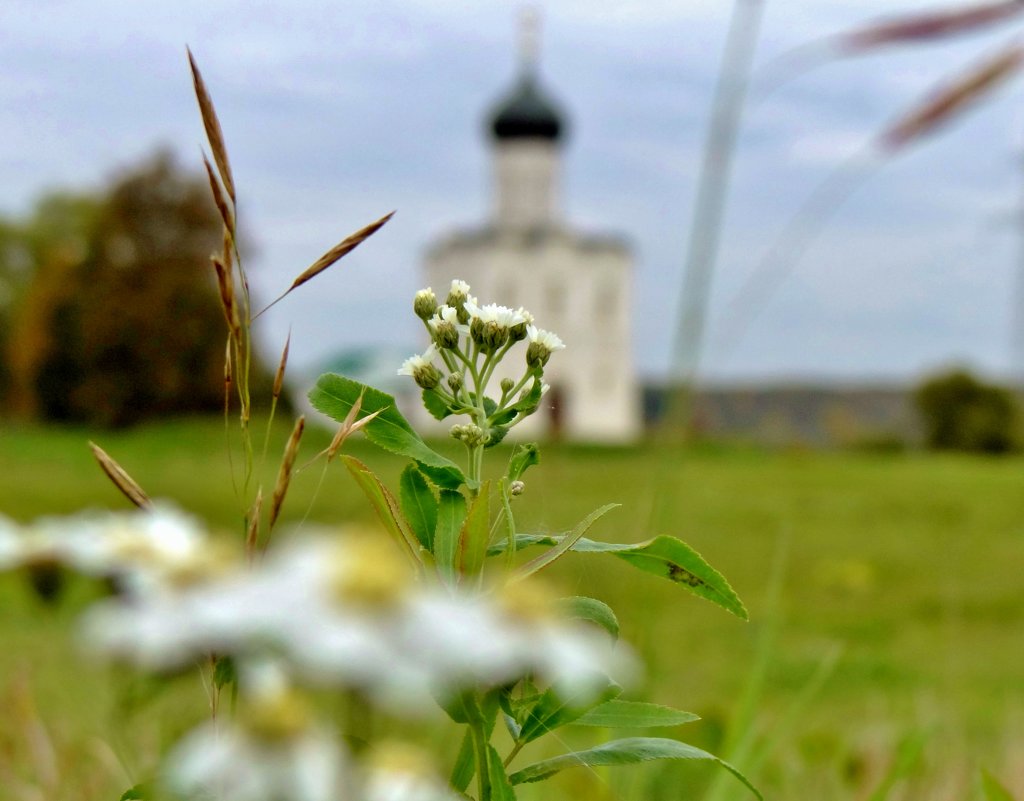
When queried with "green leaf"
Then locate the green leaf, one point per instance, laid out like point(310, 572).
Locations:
point(384, 504)
point(580, 607)
point(554, 709)
point(474, 536)
point(435, 404)
point(507, 416)
point(993, 789)
point(465, 766)
point(663, 556)
point(501, 787)
point(140, 792)
point(617, 714)
point(451, 514)
point(419, 506)
point(496, 435)
point(224, 672)
point(629, 751)
point(334, 395)
point(443, 477)
point(564, 544)
point(524, 456)
point(531, 400)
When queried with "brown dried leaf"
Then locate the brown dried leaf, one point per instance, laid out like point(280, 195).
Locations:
point(953, 98)
point(124, 482)
point(214, 134)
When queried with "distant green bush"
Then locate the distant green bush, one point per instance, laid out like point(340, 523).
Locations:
point(961, 413)
point(117, 319)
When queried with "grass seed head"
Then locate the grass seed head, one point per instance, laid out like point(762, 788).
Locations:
point(929, 26)
point(952, 99)
point(124, 482)
point(284, 474)
point(218, 198)
point(214, 133)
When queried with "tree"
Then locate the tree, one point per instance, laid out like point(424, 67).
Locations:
point(961, 413)
point(124, 323)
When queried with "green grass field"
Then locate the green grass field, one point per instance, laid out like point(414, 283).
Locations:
point(895, 644)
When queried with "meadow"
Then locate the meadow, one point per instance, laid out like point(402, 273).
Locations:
point(883, 658)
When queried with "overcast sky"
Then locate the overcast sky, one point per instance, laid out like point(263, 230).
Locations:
point(336, 112)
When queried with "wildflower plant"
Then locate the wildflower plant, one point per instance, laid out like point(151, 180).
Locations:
point(440, 615)
point(455, 522)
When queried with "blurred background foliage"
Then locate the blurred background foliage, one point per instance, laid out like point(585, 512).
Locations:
point(109, 313)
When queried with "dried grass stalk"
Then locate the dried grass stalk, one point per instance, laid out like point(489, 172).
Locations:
point(228, 377)
point(214, 134)
point(281, 367)
point(284, 474)
point(226, 286)
point(124, 482)
point(343, 248)
point(931, 25)
point(218, 198)
point(252, 535)
point(952, 99)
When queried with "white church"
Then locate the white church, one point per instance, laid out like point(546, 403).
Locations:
point(577, 284)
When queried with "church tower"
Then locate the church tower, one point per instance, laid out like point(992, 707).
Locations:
point(575, 284)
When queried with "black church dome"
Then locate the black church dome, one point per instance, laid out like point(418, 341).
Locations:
point(527, 113)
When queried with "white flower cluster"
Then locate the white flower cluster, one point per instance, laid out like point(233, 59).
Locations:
point(469, 339)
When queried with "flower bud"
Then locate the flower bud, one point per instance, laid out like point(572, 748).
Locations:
point(425, 303)
point(426, 376)
point(446, 336)
point(507, 385)
point(471, 435)
point(457, 297)
point(455, 381)
point(516, 488)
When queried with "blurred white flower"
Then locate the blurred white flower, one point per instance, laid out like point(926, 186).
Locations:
point(398, 772)
point(138, 548)
point(271, 752)
point(350, 613)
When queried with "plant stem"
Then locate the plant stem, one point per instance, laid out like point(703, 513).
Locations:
point(476, 726)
